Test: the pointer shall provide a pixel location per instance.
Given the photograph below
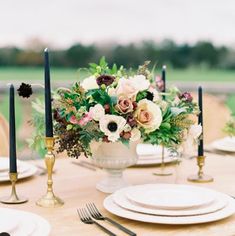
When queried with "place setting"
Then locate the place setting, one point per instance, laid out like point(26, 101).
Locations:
point(170, 204)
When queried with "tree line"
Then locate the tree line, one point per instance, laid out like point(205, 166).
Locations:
point(203, 54)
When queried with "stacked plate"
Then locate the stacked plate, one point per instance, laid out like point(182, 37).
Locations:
point(21, 223)
point(24, 169)
point(170, 204)
point(152, 155)
point(226, 144)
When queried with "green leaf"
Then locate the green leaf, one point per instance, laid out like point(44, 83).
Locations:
point(165, 125)
point(69, 127)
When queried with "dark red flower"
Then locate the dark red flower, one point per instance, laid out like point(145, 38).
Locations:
point(105, 139)
point(186, 97)
point(125, 135)
point(107, 108)
point(131, 121)
point(25, 90)
point(105, 79)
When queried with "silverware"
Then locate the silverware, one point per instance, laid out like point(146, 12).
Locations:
point(98, 216)
point(84, 165)
point(85, 218)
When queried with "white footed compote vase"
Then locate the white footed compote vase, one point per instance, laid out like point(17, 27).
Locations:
point(114, 158)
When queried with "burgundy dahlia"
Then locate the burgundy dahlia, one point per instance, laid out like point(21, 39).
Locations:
point(105, 79)
point(186, 96)
point(25, 90)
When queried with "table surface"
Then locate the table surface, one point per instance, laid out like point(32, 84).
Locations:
point(76, 186)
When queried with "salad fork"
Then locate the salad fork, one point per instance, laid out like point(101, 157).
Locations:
point(85, 218)
point(98, 216)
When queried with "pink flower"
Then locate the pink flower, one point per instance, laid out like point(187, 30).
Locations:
point(85, 119)
point(73, 120)
point(159, 83)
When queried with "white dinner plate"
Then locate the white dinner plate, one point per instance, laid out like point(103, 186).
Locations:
point(219, 203)
point(6, 222)
point(226, 144)
point(25, 169)
point(113, 208)
point(29, 224)
point(170, 196)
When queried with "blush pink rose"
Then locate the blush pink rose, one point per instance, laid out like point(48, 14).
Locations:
point(124, 105)
point(85, 119)
point(73, 120)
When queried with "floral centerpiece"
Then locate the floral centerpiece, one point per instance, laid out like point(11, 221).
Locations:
point(116, 105)
point(117, 108)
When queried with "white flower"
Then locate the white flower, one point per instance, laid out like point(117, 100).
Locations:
point(97, 112)
point(140, 82)
point(89, 83)
point(190, 143)
point(127, 128)
point(148, 115)
point(156, 94)
point(126, 87)
point(176, 110)
point(131, 86)
point(112, 92)
point(195, 131)
point(135, 135)
point(112, 126)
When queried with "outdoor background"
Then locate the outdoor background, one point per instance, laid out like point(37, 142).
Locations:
point(195, 39)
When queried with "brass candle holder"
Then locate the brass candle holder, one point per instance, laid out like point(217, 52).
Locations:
point(163, 170)
point(13, 198)
point(49, 199)
point(200, 177)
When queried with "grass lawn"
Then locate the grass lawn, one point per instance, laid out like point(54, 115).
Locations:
point(28, 74)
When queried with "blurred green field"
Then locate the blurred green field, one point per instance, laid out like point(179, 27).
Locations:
point(28, 74)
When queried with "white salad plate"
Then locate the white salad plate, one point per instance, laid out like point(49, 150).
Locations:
point(170, 196)
point(226, 144)
point(23, 223)
point(119, 197)
point(151, 150)
point(25, 169)
point(149, 154)
point(113, 208)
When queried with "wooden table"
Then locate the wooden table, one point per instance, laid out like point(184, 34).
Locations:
point(76, 186)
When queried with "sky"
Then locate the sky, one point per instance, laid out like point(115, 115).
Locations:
point(61, 23)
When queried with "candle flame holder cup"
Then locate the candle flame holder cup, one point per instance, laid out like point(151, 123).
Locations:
point(200, 177)
point(163, 171)
point(49, 199)
point(13, 198)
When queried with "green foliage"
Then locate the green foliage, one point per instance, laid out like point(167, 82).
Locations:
point(203, 54)
point(230, 127)
point(37, 143)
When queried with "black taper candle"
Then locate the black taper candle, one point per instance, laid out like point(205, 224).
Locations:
point(200, 121)
point(48, 112)
point(164, 80)
point(12, 141)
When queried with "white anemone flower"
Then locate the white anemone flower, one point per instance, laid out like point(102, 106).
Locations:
point(112, 126)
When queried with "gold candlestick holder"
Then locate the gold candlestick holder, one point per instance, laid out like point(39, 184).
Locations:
point(200, 177)
point(163, 170)
point(13, 198)
point(49, 199)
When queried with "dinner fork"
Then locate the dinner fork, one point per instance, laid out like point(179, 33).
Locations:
point(85, 218)
point(98, 216)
